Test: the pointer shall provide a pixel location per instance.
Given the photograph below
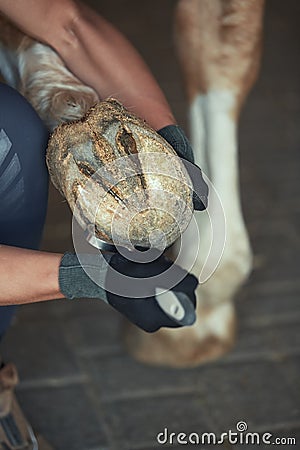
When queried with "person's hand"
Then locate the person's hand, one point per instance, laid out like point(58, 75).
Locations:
point(176, 137)
point(148, 294)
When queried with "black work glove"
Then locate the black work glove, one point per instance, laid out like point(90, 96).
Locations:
point(136, 281)
point(176, 137)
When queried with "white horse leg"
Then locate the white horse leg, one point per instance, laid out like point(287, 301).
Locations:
point(39, 74)
point(218, 42)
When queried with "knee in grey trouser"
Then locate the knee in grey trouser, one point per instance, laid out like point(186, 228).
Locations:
point(23, 178)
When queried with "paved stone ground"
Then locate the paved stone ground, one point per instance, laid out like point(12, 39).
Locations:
point(79, 387)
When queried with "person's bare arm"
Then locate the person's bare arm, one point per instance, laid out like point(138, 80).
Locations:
point(28, 276)
point(95, 52)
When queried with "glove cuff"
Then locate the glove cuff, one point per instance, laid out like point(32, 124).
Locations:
point(74, 282)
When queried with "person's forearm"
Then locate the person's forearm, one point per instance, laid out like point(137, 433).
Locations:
point(102, 57)
point(95, 52)
point(28, 276)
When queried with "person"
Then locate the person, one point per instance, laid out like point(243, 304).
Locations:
point(98, 54)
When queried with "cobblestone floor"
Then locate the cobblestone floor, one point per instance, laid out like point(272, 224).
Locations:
point(79, 387)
